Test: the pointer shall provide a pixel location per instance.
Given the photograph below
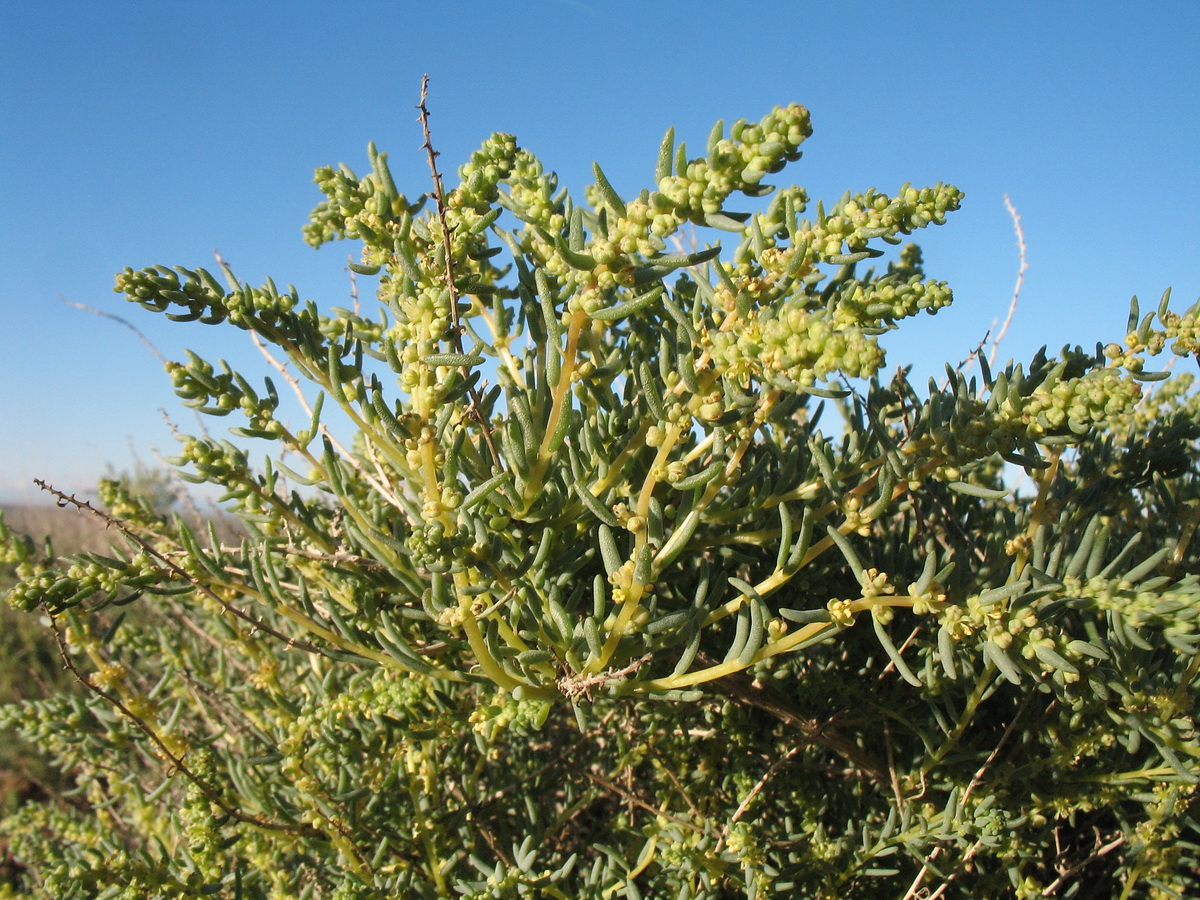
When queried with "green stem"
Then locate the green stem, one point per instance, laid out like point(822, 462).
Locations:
point(984, 685)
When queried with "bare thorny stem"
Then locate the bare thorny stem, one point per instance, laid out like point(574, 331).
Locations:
point(1012, 306)
point(439, 196)
point(175, 761)
point(741, 687)
point(379, 483)
point(1099, 853)
point(1022, 268)
point(975, 782)
point(64, 500)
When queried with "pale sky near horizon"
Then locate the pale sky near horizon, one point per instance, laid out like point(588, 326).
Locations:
point(141, 133)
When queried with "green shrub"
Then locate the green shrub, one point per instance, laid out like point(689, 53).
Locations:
point(29, 663)
point(583, 602)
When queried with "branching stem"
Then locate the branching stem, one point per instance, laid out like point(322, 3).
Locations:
point(439, 196)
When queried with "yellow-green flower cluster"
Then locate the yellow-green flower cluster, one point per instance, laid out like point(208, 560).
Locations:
point(964, 619)
point(423, 323)
point(1058, 410)
point(202, 298)
point(1181, 330)
point(346, 198)
point(501, 712)
point(1174, 609)
point(212, 459)
point(201, 820)
point(369, 208)
point(801, 345)
point(887, 300)
point(492, 163)
point(1047, 647)
point(219, 393)
point(531, 193)
point(37, 590)
point(642, 229)
point(159, 288)
point(531, 197)
point(17, 550)
point(1171, 400)
point(59, 590)
point(784, 329)
point(736, 163)
point(856, 219)
point(1077, 405)
point(471, 207)
point(122, 504)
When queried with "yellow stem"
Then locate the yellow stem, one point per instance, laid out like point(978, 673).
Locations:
point(1043, 479)
point(776, 647)
point(483, 654)
point(636, 444)
point(560, 406)
point(562, 391)
point(423, 828)
point(632, 604)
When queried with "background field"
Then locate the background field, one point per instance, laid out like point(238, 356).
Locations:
point(30, 667)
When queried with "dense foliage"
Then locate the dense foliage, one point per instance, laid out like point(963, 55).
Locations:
point(582, 601)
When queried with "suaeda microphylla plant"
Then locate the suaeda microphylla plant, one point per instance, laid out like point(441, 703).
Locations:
point(574, 597)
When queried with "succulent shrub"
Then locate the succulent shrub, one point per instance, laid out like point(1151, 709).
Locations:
point(625, 570)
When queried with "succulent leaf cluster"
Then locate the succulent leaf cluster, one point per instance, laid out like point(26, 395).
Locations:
point(574, 604)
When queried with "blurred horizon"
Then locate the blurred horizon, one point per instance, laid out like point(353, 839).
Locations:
point(141, 134)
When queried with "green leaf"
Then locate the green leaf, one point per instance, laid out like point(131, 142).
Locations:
point(452, 359)
point(666, 153)
point(611, 197)
point(629, 307)
point(1002, 661)
point(977, 490)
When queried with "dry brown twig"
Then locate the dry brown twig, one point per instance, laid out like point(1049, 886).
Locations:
point(1099, 853)
point(439, 196)
point(584, 686)
point(120, 321)
point(755, 791)
point(966, 364)
point(176, 762)
point(65, 500)
point(1024, 266)
point(742, 687)
point(294, 383)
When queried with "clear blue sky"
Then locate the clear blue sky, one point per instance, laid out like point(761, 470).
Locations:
point(141, 133)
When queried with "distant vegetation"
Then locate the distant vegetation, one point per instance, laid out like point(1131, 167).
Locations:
point(30, 665)
point(70, 530)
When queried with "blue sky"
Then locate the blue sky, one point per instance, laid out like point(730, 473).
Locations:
point(143, 133)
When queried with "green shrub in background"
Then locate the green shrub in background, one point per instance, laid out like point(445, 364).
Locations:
point(588, 605)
